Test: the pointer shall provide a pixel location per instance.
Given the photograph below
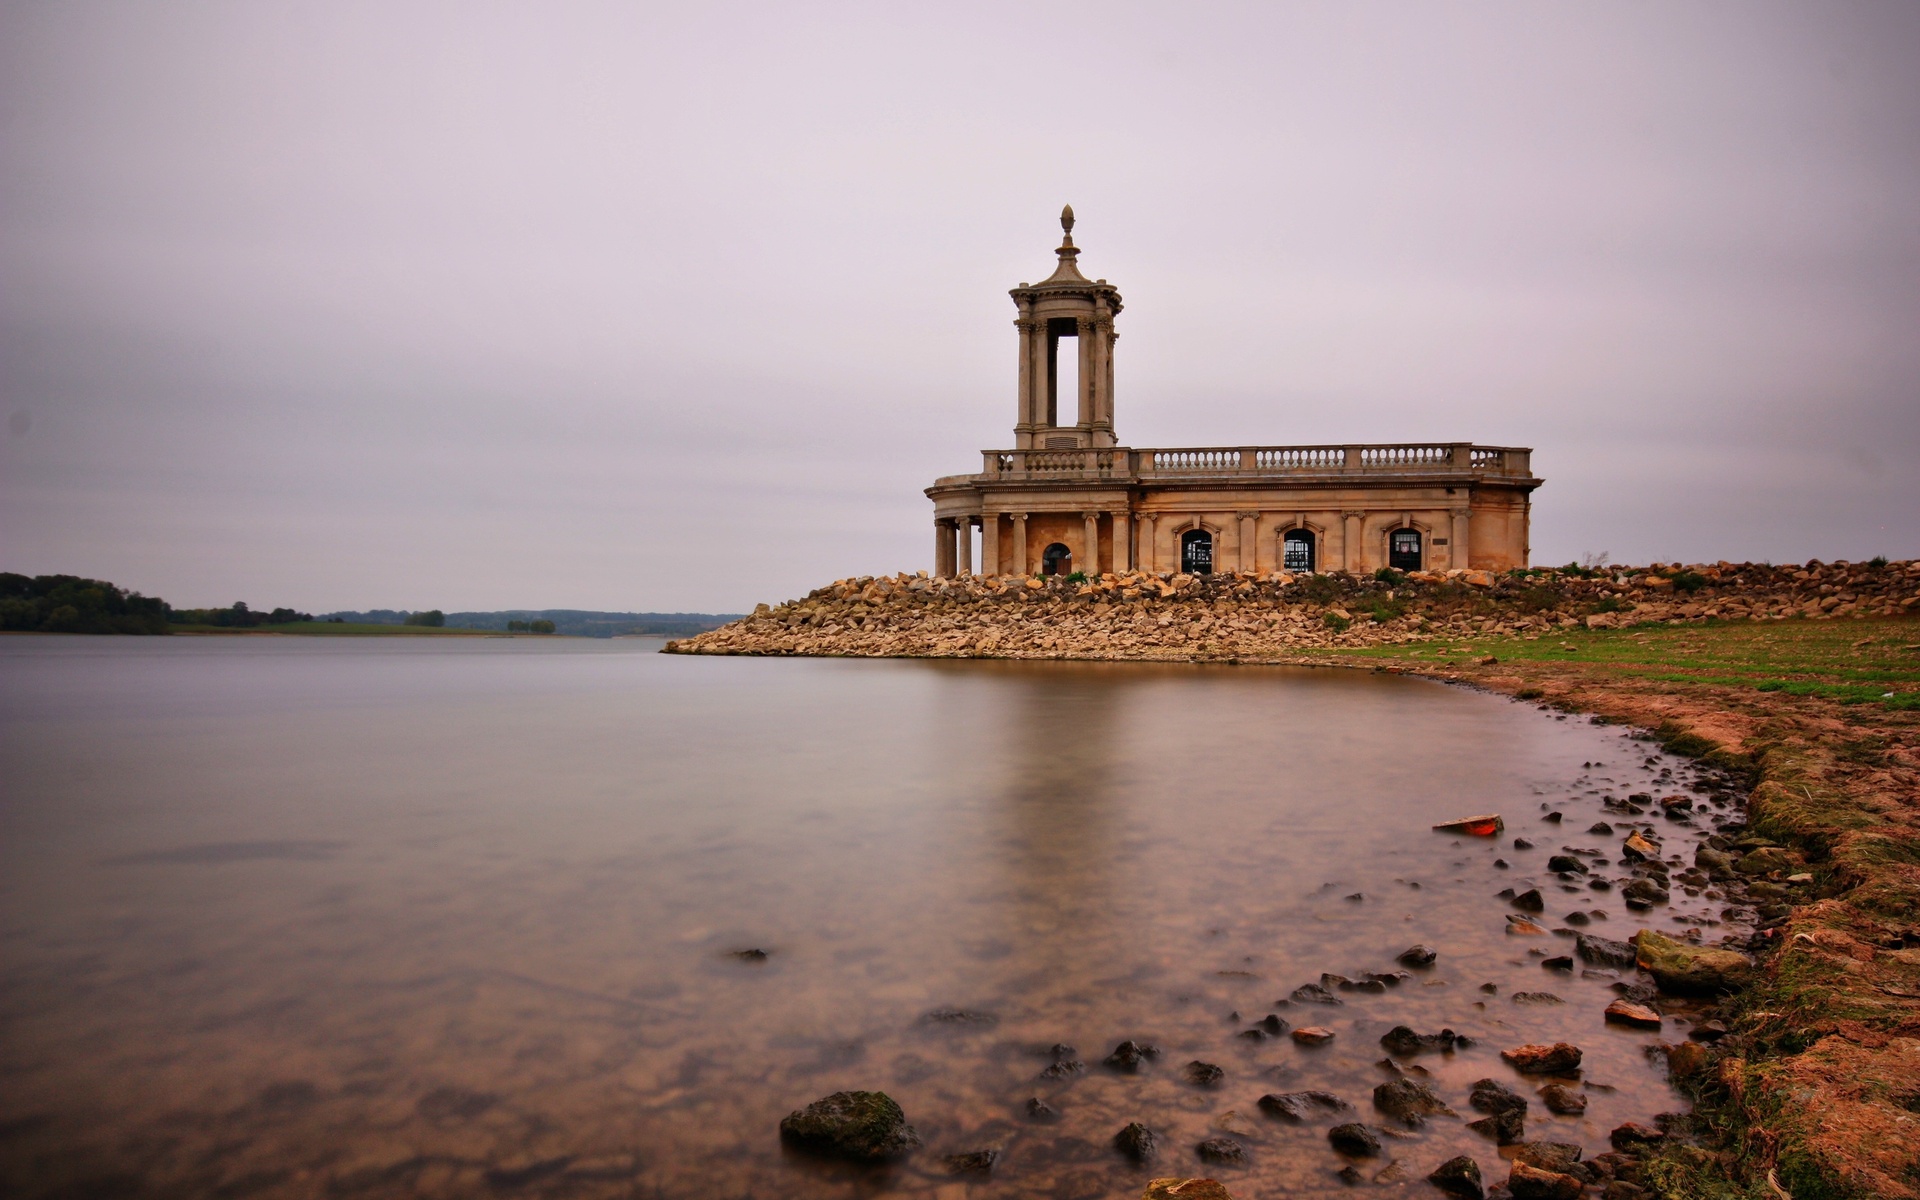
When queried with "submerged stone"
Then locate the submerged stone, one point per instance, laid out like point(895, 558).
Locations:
point(1459, 1177)
point(859, 1126)
point(1409, 1101)
point(1355, 1139)
point(1129, 1055)
point(1222, 1151)
point(1136, 1142)
point(1538, 1059)
point(1298, 1106)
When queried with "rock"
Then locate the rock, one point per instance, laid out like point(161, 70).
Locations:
point(1272, 1025)
point(1136, 1143)
point(1634, 1138)
point(1559, 1098)
point(1504, 1128)
point(1536, 998)
point(1203, 1074)
point(858, 1126)
point(1298, 1106)
point(1129, 1055)
point(1637, 848)
point(1404, 1041)
point(1521, 927)
point(1355, 1139)
point(1604, 952)
point(1644, 893)
point(1408, 1101)
point(1458, 1177)
point(1766, 860)
point(1315, 993)
point(1492, 1096)
point(1351, 1175)
point(1175, 1188)
point(1313, 1035)
point(1040, 1110)
point(1708, 1031)
point(1684, 969)
point(1530, 1183)
point(1567, 863)
point(974, 1162)
point(1554, 818)
point(1530, 901)
point(1716, 863)
point(1600, 827)
point(751, 956)
point(1522, 844)
point(1222, 1151)
point(1686, 1060)
point(959, 1017)
point(1421, 955)
point(1559, 962)
point(1536, 1059)
point(1489, 825)
point(1626, 1012)
point(1064, 1069)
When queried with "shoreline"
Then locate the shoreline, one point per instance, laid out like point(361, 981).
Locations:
point(1811, 1091)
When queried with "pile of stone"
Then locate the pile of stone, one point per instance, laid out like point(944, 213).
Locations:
point(1236, 616)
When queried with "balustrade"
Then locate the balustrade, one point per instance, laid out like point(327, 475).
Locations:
point(1264, 461)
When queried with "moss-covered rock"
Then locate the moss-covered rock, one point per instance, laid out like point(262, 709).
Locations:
point(858, 1126)
point(1685, 969)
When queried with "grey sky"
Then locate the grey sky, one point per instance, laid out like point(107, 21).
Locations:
point(679, 307)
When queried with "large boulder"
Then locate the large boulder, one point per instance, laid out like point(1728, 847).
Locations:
point(1537, 1059)
point(858, 1126)
point(1531, 1183)
point(1685, 969)
point(1458, 1177)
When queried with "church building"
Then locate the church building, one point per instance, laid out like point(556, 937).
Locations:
point(1069, 497)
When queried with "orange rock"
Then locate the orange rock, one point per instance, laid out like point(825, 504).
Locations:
point(1626, 1012)
point(1313, 1035)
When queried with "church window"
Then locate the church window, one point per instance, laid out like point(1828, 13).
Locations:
point(1297, 550)
point(1403, 553)
point(1196, 552)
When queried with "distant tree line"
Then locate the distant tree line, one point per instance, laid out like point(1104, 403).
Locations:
point(239, 616)
point(541, 625)
point(70, 604)
point(432, 620)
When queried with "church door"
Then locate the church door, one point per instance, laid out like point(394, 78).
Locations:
point(1056, 560)
point(1404, 551)
point(1196, 552)
point(1297, 550)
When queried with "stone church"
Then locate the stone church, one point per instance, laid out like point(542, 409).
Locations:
point(1069, 497)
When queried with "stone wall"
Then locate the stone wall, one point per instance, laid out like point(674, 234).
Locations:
point(1272, 616)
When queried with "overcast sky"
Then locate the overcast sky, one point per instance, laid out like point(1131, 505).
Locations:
point(633, 306)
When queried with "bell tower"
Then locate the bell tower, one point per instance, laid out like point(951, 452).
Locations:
point(1066, 307)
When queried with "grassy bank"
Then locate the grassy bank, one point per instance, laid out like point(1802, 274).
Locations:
point(1814, 1093)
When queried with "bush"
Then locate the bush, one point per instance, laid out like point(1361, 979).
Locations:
point(540, 626)
point(1338, 623)
point(1609, 604)
point(1389, 576)
point(1688, 581)
point(1077, 577)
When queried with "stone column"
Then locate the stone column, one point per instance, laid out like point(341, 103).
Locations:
point(1019, 544)
point(1092, 565)
point(1146, 542)
point(1122, 537)
point(1461, 546)
point(990, 544)
point(1353, 555)
point(1249, 542)
point(942, 549)
point(963, 548)
point(1083, 343)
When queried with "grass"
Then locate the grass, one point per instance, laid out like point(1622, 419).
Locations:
point(339, 629)
point(1849, 661)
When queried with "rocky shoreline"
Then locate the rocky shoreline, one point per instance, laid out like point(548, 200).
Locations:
point(1804, 1082)
point(1269, 617)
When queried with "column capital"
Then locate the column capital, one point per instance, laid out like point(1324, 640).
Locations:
point(1248, 516)
point(1353, 514)
point(1090, 516)
point(1018, 516)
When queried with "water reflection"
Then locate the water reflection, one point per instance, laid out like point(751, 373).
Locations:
point(364, 919)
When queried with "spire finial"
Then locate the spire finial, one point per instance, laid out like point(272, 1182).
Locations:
point(1066, 220)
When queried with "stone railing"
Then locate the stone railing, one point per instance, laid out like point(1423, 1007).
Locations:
point(1123, 463)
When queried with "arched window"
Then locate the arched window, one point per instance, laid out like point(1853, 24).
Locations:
point(1196, 552)
point(1056, 560)
point(1403, 552)
point(1297, 550)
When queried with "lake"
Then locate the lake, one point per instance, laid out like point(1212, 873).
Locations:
point(421, 917)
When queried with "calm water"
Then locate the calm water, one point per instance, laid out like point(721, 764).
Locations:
point(290, 917)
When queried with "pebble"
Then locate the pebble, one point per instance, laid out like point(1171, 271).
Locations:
point(1313, 1035)
point(1626, 1012)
